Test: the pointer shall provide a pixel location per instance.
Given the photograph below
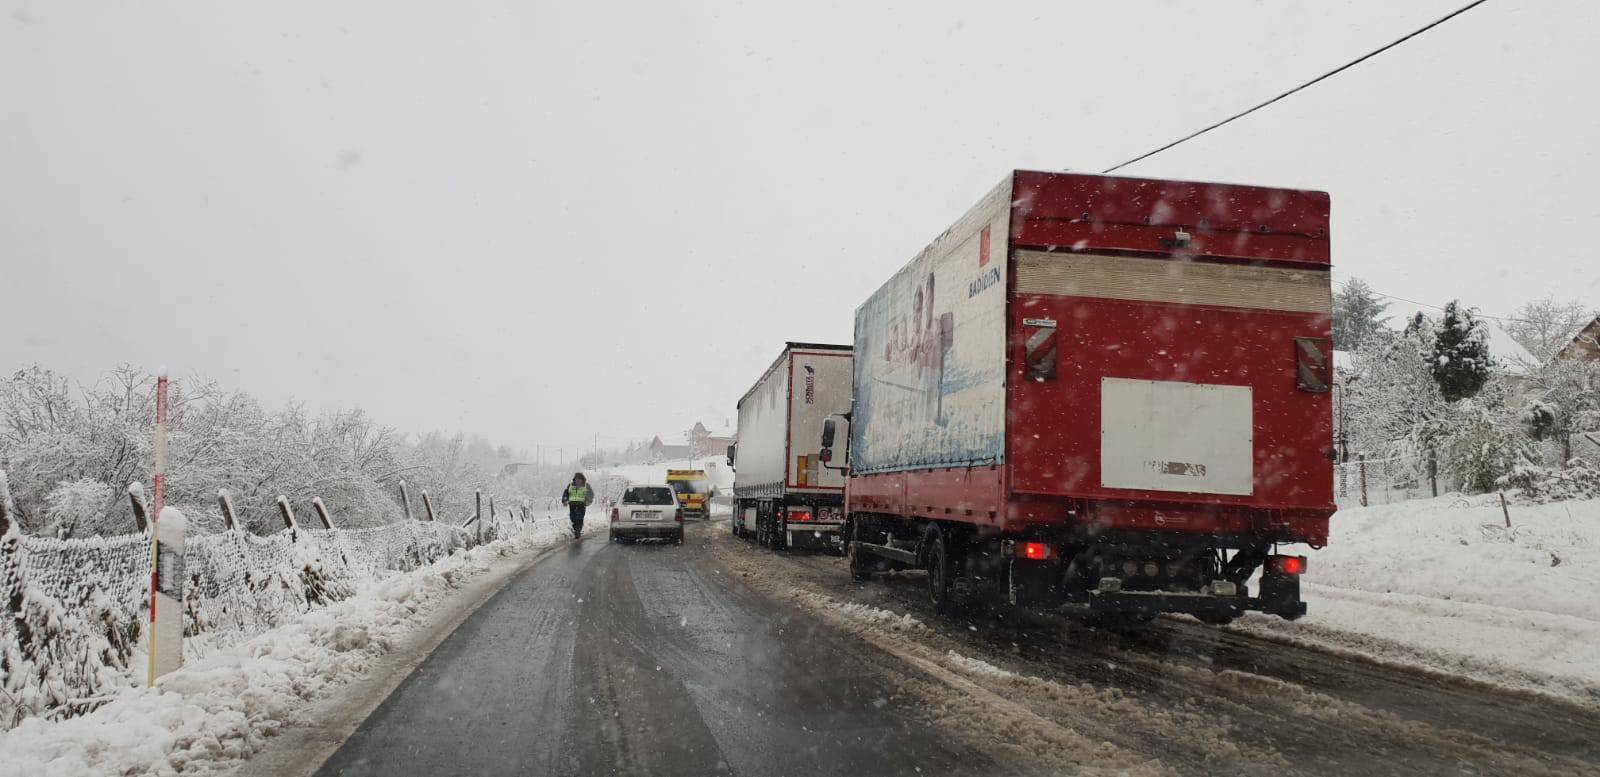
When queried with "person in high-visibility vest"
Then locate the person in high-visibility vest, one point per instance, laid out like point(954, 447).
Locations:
point(577, 497)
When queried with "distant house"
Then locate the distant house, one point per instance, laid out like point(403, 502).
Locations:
point(1585, 345)
point(709, 443)
point(660, 451)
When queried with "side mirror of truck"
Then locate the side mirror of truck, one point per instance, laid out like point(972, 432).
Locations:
point(827, 435)
point(731, 450)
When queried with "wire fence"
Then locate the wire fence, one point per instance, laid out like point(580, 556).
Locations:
point(73, 611)
point(1362, 482)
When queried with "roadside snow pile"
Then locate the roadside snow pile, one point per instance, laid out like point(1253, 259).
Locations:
point(867, 615)
point(222, 707)
point(977, 667)
point(1442, 583)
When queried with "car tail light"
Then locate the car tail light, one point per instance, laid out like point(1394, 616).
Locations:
point(1035, 551)
point(678, 516)
point(1289, 565)
point(614, 516)
point(799, 515)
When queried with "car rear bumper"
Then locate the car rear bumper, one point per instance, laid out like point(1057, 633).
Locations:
point(662, 529)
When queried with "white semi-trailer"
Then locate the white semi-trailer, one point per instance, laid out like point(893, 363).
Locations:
point(782, 494)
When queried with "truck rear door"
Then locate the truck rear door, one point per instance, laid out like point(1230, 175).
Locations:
point(1170, 343)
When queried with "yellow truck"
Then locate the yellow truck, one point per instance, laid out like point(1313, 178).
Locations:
point(693, 489)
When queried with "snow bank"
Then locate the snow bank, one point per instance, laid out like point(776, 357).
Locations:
point(222, 707)
point(976, 666)
point(1442, 583)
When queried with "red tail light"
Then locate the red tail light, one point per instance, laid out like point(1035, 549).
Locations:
point(614, 516)
point(1035, 551)
point(678, 516)
point(799, 515)
point(1289, 565)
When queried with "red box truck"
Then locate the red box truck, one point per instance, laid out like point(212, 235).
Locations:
point(1099, 390)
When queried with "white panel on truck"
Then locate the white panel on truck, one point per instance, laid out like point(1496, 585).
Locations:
point(763, 425)
point(821, 381)
point(1169, 436)
point(930, 352)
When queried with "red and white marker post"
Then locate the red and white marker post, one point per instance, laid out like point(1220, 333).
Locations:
point(165, 640)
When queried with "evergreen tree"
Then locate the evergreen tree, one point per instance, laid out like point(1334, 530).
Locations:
point(1460, 362)
point(1357, 313)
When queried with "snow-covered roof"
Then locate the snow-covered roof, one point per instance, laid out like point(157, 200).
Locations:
point(1507, 352)
point(1512, 357)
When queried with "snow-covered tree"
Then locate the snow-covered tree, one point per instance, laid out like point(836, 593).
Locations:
point(56, 437)
point(1546, 326)
point(1461, 362)
point(1357, 314)
point(1391, 390)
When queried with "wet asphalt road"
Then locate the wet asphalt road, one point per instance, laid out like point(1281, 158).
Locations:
point(644, 659)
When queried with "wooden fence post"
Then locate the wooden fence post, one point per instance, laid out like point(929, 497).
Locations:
point(428, 504)
point(5, 504)
point(1361, 467)
point(1433, 471)
point(405, 501)
point(288, 517)
point(322, 512)
point(225, 502)
point(1505, 510)
point(141, 512)
point(477, 514)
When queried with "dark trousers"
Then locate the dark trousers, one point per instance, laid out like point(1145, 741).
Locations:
point(575, 512)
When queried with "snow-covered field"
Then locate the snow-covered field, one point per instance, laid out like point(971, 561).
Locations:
point(1443, 584)
point(223, 707)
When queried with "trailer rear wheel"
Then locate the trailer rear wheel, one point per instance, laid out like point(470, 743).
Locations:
point(938, 564)
point(861, 567)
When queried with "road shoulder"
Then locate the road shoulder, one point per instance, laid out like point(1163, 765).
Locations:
point(324, 725)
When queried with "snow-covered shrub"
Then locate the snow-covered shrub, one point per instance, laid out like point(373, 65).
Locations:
point(78, 507)
point(1535, 484)
point(1474, 446)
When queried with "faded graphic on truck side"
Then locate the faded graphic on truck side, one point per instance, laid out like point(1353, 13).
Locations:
point(930, 352)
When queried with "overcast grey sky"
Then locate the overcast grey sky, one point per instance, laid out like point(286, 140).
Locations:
point(541, 221)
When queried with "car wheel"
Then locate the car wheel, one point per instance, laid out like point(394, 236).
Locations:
point(938, 565)
point(678, 540)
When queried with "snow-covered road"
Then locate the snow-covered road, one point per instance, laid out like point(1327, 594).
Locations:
point(646, 659)
point(1042, 692)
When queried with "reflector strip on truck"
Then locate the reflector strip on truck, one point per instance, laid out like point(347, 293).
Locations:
point(1173, 280)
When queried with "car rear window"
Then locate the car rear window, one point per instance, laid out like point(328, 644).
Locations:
point(648, 495)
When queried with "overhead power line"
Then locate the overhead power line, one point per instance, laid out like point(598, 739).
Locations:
point(1477, 313)
point(1330, 73)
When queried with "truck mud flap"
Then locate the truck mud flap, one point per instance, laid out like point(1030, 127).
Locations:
point(1035, 584)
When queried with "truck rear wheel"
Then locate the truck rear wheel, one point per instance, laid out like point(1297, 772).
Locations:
point(861, 567)
point(938, 564)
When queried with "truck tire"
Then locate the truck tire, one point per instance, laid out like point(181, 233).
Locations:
point(861, 567)
point(940, 594)
point(780, 534)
